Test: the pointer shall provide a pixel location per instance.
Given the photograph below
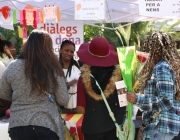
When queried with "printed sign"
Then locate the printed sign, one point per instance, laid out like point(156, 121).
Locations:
point(152, 8)
point(173, 7)
point(89, 9)
point(159, 8)
point(64, 30)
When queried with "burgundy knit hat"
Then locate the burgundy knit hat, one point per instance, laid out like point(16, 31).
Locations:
point(98, 53)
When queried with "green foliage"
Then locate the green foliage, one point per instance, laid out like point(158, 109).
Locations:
point(12, 36)
point(139, 31)
point(169, 29)
point(125, 32)
point(111, 35)
point(90, 32)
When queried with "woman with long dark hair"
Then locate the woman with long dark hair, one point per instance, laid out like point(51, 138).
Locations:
point(71, 70)
point(36, 86)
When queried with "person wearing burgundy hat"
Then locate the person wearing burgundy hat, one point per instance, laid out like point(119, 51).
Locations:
point(100, 59)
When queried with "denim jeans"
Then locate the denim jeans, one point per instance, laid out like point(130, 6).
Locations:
point(31, 132)
point(156, 135)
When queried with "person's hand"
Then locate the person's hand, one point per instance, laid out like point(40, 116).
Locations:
point(71, 83)
point(7, 51)
point(131, 97)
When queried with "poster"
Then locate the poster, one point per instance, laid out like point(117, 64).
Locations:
point(64, 30)
point(159, 8)
point(89, 9)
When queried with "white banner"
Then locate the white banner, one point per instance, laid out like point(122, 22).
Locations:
point(89, 9)
point(159, 8)
point(64, 30)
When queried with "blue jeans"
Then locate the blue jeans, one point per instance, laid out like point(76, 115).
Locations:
point(157, 135)
point(31, 132)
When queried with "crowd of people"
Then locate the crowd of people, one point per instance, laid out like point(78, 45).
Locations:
point(38, 86)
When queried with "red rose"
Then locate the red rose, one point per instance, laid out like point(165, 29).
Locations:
point(8, 113)
point(142, 58)
point(72, 131)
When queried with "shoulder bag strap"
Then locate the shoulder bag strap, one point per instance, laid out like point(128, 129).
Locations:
point(107, 105)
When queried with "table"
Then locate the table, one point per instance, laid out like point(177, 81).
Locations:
point(4, 131)
point(78, 118)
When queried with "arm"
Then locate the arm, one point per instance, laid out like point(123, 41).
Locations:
point(81, 98)
point(5, 87)
point(166, 90)
point(71, 83)
point(62, 96)
point(2, 69)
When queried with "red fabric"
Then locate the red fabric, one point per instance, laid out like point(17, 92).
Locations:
point(5, 11)
point(81, 97)
point(34, 22)
point(78, 125)
point(68, 117)
point(24, 20)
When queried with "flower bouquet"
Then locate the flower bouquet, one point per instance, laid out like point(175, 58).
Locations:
point(127, 61)
point(141, 60)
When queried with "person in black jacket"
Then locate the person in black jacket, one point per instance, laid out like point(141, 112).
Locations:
point(100, 59)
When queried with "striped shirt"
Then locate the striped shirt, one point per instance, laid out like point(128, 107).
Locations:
point(159, 95)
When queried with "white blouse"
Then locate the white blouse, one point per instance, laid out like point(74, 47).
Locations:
point(75, 73)
point(2, 68)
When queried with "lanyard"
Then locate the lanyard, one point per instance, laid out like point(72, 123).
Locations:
point(51, 99)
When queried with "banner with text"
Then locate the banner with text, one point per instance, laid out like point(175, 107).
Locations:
point(159, 8)
point(64, 30)
point(89, 9)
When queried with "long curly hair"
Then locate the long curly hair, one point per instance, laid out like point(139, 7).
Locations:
point(41, 64)
point(160, 44)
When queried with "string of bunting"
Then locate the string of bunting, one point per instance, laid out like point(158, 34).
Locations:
point(29, 15)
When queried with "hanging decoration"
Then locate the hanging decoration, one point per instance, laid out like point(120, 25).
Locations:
point(7, 17)
point(5, 11)
point(50, 14)
point(29, 16)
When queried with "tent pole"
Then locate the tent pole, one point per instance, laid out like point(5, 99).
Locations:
point(14, 5)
